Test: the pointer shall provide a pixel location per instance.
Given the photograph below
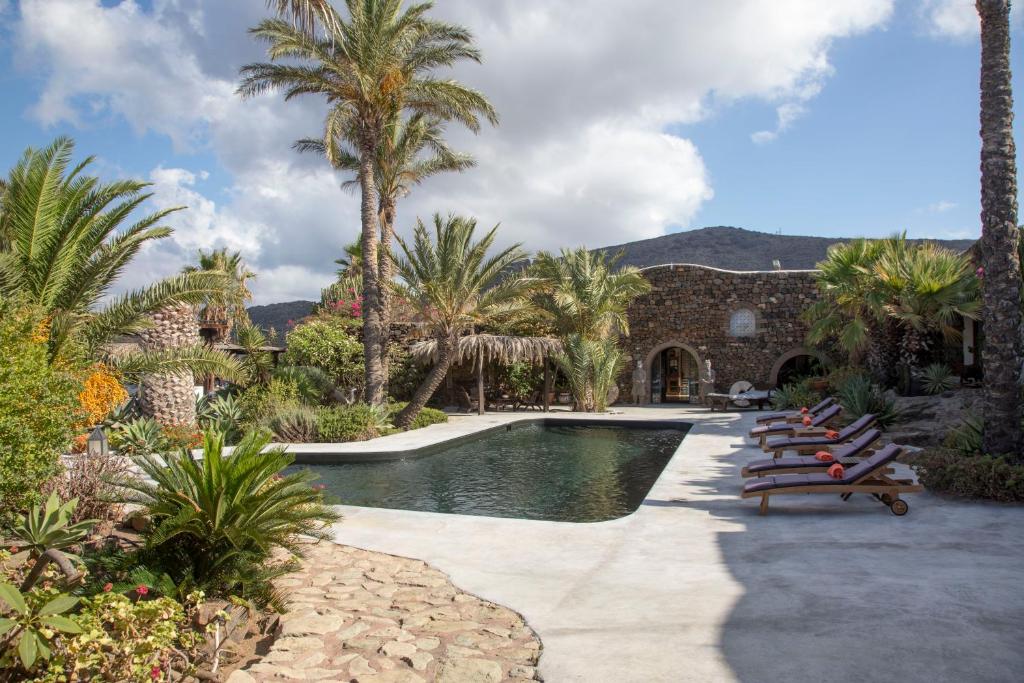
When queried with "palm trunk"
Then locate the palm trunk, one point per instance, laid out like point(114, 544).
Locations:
point(445, 354)
point(1001, 293)
point(385, 274)
point(374, 376)
point(169, 398)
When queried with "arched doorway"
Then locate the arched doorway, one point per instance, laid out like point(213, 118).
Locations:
point(795, 365)
point(673, 374)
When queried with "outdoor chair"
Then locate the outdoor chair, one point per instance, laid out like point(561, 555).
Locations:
point(818, 424)
point(808, 444)
point(466, 402)
point(847, 454)
point(795, 415)
point(870, 476)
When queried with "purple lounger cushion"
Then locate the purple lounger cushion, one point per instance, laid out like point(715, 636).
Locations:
point(847, 433)
point(782, 481)
point(850, 450)
point(785, 415)
point(783, 427)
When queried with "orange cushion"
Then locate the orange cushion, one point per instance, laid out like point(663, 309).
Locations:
point(836, 471)
point(805, 410)
point(832, 434)
point(824, 456)
point(807, 421)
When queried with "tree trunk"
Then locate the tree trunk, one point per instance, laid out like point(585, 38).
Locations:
point(445, 354)
point(169, 398)
point(1001, 292)
point(374, 375)
point(481, 399)
point(385, 274)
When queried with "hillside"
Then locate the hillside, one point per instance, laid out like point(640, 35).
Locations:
point(738, 249)
point(719, 247)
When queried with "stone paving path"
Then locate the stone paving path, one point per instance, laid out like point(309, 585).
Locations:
point(365, 617)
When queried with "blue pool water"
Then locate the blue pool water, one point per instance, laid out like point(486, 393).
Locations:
point(562, 471)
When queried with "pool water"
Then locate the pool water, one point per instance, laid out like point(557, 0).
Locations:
point(540, 470)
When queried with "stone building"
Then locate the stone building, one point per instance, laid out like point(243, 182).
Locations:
point(747, 324)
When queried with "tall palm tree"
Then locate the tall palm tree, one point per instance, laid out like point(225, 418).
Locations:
point(410, 152)
point(1001, 294)
point(454, 285)
point(351, 264)
point(225, 308)
point(376, 61)
point(585, 299)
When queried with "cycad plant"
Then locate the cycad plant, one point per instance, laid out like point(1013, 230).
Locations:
point(370, 65)
point(454, 284)
point(215, 522)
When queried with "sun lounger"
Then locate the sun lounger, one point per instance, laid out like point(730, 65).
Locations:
point(847, 454)
point(870, 476)
point(819, 424)
point(812, 443)
point(795, 415)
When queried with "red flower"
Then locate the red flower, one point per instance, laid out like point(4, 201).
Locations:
point(107, 587)
point(319, 487)
point(980, 272)
point(155, 673)
point(13, 549)
point(141, 590)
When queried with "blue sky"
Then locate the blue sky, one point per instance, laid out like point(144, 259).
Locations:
point(620, 121)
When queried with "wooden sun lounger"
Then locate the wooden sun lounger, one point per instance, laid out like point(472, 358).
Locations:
point(795, 415)
point(847, 454)
point(718, 401)
point(819, 425)
point(810, 443)
point(871, 476)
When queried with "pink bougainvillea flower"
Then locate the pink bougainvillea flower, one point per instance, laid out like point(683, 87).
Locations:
point(155, 673)
point(107, 587)
point(980, 272)
point(141, 590)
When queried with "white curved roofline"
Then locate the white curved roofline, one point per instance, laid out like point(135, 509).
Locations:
point(724, 270)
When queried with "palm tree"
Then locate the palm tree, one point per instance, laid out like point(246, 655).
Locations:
point(585, 299)
point(375, 62)
point(410, 152)
point(63, 246)
point(454, 285)
point(1001, 295)
point(351, 264)
point(222, 310)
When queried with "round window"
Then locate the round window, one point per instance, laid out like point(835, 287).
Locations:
point(743, 323)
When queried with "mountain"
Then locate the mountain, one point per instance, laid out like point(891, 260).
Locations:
point(738, 249)
point(720, 247)
point(277, 315)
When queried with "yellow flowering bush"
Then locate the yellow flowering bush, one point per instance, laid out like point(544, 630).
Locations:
point(101, 393)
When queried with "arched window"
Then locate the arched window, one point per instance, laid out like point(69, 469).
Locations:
point(743, 323)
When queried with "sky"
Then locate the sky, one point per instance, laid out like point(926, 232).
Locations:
point(619, 121)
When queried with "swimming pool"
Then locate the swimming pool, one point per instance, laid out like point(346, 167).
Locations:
point(547, 469)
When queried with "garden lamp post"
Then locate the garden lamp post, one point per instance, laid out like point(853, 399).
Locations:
point(97, 445)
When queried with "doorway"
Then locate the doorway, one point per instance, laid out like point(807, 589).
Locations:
point(675, 377)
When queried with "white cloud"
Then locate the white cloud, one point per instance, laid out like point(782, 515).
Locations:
point(786, 114)
point(941, 206)
point(585, 91)
point(956, 19)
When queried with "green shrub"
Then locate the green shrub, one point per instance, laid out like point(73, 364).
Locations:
point(425, 418)
point(521, 379)
point(356, 422)
point(259, 402)
point(840, 375)
point(215, 524)
point(39, 408)
point(971, 476)
point(330, 344)
point(937, 378)
point(314, 386)
point(967, 436)
point(404, 374)
point(795, 395)
point(860, 396)
point(295, 424)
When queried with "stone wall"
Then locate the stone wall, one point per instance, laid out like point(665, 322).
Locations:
point(690, 306)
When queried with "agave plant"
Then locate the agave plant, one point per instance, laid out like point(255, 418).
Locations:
point(967, 436)
point(221, 413)
point(141, 435)
point(860, 396)
point(216, 521)
point(51, 528)
point(294, 424)
point(937, 378)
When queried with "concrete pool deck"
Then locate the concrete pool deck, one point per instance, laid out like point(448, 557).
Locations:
point(695, 586)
